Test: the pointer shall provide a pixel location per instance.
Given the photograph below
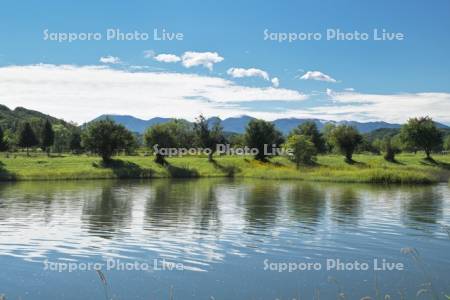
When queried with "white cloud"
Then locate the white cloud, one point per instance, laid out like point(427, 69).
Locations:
point(349, 89)
point(205, 59)
point(388, 107)
point(252, 72)
point(167, 58)
point(149, 53)
point(82, 93)
point(109, 59)
point(275, 82)
point(316, 75)
point(330, 92)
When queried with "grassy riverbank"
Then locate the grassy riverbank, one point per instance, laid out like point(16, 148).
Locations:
point(409, 168)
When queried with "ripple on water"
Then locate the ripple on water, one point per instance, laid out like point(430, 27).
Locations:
point(203, 223)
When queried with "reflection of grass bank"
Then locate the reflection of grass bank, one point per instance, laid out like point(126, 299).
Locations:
point(409, 168)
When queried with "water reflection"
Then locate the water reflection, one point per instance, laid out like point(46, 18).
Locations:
point(345, 203)
point(213, 208)
point(108, 212)
point(423, 207)
point(221, 226)
point(306, 203)
point(174, 204)
point(261, 202)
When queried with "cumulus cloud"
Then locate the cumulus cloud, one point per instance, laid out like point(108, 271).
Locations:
point(109, 60)
point(319, 76)
point(252, 72)
point(388, 107)
point(81, 93)
point(167, 58)
point(205, 59)
point(275, 82)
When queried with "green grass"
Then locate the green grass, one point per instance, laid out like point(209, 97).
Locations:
point(409, 168)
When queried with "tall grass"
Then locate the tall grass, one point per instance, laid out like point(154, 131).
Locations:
point(409, 169)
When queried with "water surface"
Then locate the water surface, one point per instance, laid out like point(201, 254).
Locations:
point(224, 233)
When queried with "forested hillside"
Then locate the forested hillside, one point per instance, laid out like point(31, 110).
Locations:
point(12, 119)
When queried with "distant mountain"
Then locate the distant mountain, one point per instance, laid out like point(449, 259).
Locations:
point(13, 118)
point(365, 127)
point(286, 125)
point(238, 124)
point(132, 123)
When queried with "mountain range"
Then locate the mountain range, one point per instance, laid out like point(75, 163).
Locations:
point(11, 118)
point(238, 124)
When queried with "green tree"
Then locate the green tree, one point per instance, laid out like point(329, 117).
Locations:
point(390, 146)
point(183, 133)
point(131, 143)
point(366, 146)
point(346, 138)
point(447, 143)
point(37, 124)
point(326, 133)
point(10, 139)
point(378, 145)
point(3, 141)
point(48, 137)
point(75, 142)
point(303, 149)
point(310, 130)
point(27, 137)
point(161, 136)
point(236, 140)
point(207, 137)
point(62, 138)
point(421, 133)
point(261, 135)
point(105, 138)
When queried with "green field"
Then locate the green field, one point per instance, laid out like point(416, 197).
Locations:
point(409, 168)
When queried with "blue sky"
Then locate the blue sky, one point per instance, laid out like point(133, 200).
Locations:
point(366, 73)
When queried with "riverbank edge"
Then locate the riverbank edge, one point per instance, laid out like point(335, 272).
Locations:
point(365, 169)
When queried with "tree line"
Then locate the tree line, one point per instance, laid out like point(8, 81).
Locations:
point(107, 138)
point(35, 133)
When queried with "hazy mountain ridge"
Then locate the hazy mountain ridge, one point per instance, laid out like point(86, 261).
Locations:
point(132, 123)
point(238, 124)
point(10, 118)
